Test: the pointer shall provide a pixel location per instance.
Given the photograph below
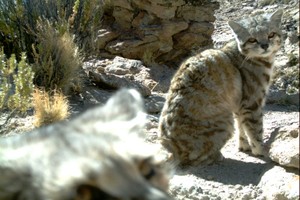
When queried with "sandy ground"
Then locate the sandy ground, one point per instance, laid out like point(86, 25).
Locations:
point(238, 174)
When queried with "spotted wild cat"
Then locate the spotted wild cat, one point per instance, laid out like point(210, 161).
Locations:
point(99, 155)
point(212, 88)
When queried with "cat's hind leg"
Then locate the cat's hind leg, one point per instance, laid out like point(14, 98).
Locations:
point(208, 139)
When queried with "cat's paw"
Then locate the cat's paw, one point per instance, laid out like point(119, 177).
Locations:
point(244, 149)
point(244, 146)
point(260, 150)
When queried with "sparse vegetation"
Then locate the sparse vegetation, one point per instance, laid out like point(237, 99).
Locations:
point(49, 107)
point(49, 32)
point(85, 21)
point(18, 22)
point(16, 83)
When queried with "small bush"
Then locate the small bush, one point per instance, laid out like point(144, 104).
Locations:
point(57, 58)
point(49, 108)
point(16, 83)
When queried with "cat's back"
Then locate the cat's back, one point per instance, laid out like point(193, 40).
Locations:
point(202, 95)
point(208, 79)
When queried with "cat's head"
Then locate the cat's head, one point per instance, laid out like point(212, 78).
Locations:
point(258, 36)
point(131, 168)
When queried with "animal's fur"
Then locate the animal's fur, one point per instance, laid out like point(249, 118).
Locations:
point(99, 155)
point(210, 88)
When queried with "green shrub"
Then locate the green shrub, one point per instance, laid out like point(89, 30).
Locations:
point(85, 22)
point(18, 21)
point(57, 58)
point(13, 38)
point(16, 83)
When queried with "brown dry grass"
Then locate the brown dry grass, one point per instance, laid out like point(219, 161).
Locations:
point(49, 108)
point(57, 58)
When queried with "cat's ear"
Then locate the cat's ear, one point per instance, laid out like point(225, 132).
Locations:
point(125, 105)
point(276, 16)
point(240, 32)
point(123, 114)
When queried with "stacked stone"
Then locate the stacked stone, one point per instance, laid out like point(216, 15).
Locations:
point(156, 31)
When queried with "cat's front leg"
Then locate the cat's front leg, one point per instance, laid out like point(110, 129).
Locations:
point(243, 143)
point(251, 121)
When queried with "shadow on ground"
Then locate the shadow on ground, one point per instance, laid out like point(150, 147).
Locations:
point(233, 172)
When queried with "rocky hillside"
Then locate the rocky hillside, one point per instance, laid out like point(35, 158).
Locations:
point(141, 45)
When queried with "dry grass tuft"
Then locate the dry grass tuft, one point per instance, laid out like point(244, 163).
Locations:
point(49, 108)
point(57, 58)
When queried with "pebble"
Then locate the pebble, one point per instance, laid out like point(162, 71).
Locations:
point(238, 187)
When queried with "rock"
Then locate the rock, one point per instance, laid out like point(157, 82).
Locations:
point(171, 28)
point(278, 184)
point(121, 72)
point(103, 36)
point(163, 11)
point(146, 29)
point(156, 79)
point(154, 104)
point(198, 13)
point(122, 3)
point(162, 76)
point(152, 122)
point(123, 16)
point(186, 40)
point(122, 66)
point(117, 82)
point(133, 48)
point(282, 97)
point(285, 148)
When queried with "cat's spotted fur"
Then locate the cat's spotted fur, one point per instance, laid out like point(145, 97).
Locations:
point(99, 155)
point(212, 88)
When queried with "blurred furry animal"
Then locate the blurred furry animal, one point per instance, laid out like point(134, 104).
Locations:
point(213, 87)
point(98, 155)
